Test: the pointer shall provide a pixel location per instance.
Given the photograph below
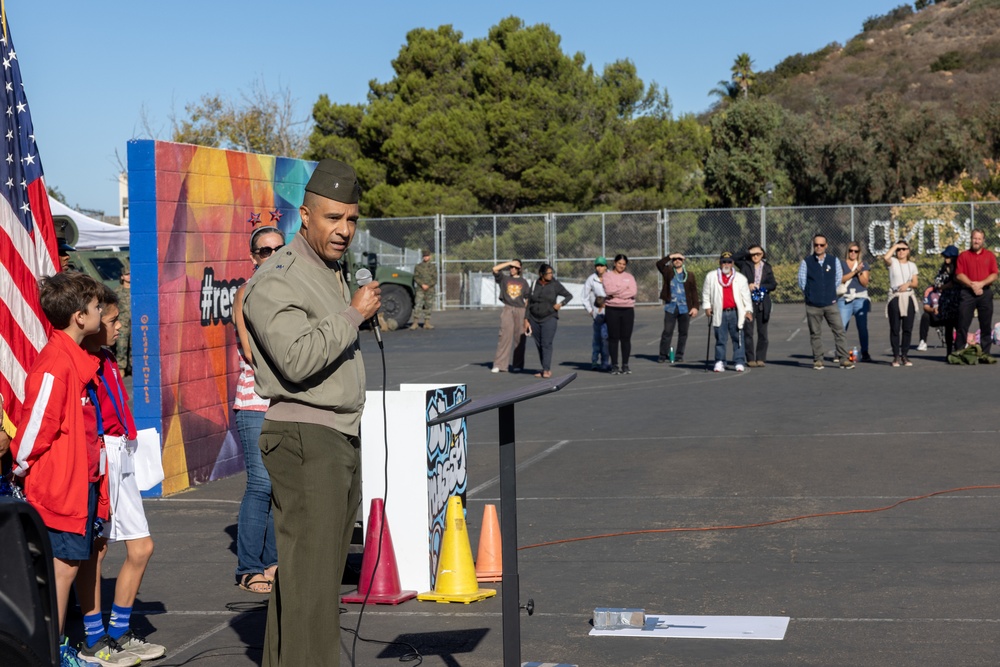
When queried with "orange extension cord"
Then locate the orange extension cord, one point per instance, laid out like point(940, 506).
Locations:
point(696, 529)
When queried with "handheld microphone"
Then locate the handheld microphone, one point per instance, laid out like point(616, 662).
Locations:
point(363, 277)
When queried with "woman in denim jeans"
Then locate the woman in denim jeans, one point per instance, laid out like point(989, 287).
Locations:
point(855, 301)
point(256, 553)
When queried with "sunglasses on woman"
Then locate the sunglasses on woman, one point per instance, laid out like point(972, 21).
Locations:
point(266, 251)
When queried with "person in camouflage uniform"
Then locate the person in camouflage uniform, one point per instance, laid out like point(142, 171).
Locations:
point(425, 277)
point(123, 348)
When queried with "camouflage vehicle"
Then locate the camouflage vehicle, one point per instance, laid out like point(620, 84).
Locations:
point(103, 265)
point(396, 285)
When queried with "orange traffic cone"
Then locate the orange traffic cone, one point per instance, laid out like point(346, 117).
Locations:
point(383, 579)
point(489, 566)
point(456, 574)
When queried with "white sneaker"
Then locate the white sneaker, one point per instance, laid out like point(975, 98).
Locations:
point(720, 367)
point(922, 346)
point(740, 368)
point(496, 369)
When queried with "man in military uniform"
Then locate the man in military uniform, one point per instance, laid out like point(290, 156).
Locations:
point(123, 348)
point(425, 277)
point(303, 325)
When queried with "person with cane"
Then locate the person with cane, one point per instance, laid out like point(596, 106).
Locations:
point(725, 298)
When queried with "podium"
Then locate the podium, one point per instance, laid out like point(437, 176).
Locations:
point(504, 403)
point(426, 465)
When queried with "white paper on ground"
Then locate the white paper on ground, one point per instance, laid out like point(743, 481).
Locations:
point(705, 627)
point(148, 459)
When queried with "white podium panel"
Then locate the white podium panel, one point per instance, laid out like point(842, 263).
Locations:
point(426, 465)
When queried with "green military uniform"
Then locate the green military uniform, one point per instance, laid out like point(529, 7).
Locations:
point(307, 361)
point(425, 273)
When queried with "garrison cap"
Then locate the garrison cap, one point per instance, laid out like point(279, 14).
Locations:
point(335, 180)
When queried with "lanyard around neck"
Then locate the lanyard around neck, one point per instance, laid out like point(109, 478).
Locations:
point(120, 412)
point(92, 392)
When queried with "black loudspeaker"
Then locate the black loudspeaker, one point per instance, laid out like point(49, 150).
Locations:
point(29, 632)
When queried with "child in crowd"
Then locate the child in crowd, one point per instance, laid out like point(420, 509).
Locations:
point(57, 451)
point(128, 519)
point(599, 319)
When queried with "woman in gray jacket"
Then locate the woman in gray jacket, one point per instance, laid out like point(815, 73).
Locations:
point(542, 316)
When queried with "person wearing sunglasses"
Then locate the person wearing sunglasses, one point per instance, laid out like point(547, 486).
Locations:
point(760, 275)
point(852, 300)
point(256, 551)
point(819, 275)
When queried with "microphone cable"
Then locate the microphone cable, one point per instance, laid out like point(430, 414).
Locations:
point(414, 654)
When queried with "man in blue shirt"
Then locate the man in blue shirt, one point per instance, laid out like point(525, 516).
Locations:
point(819, 275)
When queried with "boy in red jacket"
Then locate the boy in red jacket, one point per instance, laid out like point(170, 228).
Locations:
point(128, 519)
point(57, 452)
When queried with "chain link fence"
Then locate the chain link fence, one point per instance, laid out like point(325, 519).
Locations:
point(466, 247)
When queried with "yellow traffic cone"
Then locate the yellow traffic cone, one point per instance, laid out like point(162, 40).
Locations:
point(489, 564)
point(456, 574)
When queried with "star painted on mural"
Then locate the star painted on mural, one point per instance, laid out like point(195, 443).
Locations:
point(276, 215)
point(254, 218)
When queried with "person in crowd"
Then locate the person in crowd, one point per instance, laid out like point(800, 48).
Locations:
point(593, 289)
point(679, 295)
point(123, 348)
point(975, 273)
point(619, 314)
point(902, 307)
point(819, 275)
point(256, 549)
point(65, 261)
point(303, 323)
point(425, 277)
point(542, 317)
point(941, 302)
point(59, 456)
point(725, 297)
point(852, 299)
point(760, 277)
point(118, 643)
point(514, 294)
point(7, 433)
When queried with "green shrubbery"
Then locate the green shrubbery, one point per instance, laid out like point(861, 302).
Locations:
point(948, 61)
point(887, 20)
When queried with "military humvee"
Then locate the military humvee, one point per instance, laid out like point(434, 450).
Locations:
point(396, 286)
point(106, 266)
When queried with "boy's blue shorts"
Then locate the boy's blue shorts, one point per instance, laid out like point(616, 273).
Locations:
point(70, 546)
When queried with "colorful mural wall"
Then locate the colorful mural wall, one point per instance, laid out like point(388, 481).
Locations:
point(191, 211)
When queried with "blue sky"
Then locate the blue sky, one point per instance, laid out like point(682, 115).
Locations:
point(90, 68)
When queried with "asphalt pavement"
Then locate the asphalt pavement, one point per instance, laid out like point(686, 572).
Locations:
point(866, 575)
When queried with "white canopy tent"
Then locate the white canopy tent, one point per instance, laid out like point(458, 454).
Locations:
point(91, 233)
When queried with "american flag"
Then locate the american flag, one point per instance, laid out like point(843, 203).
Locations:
point(28, 249)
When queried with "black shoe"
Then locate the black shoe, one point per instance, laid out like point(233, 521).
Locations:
point(677, 360)
point(615, 370)
point(865, 356)
point(626, 370)
point(661, 359)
